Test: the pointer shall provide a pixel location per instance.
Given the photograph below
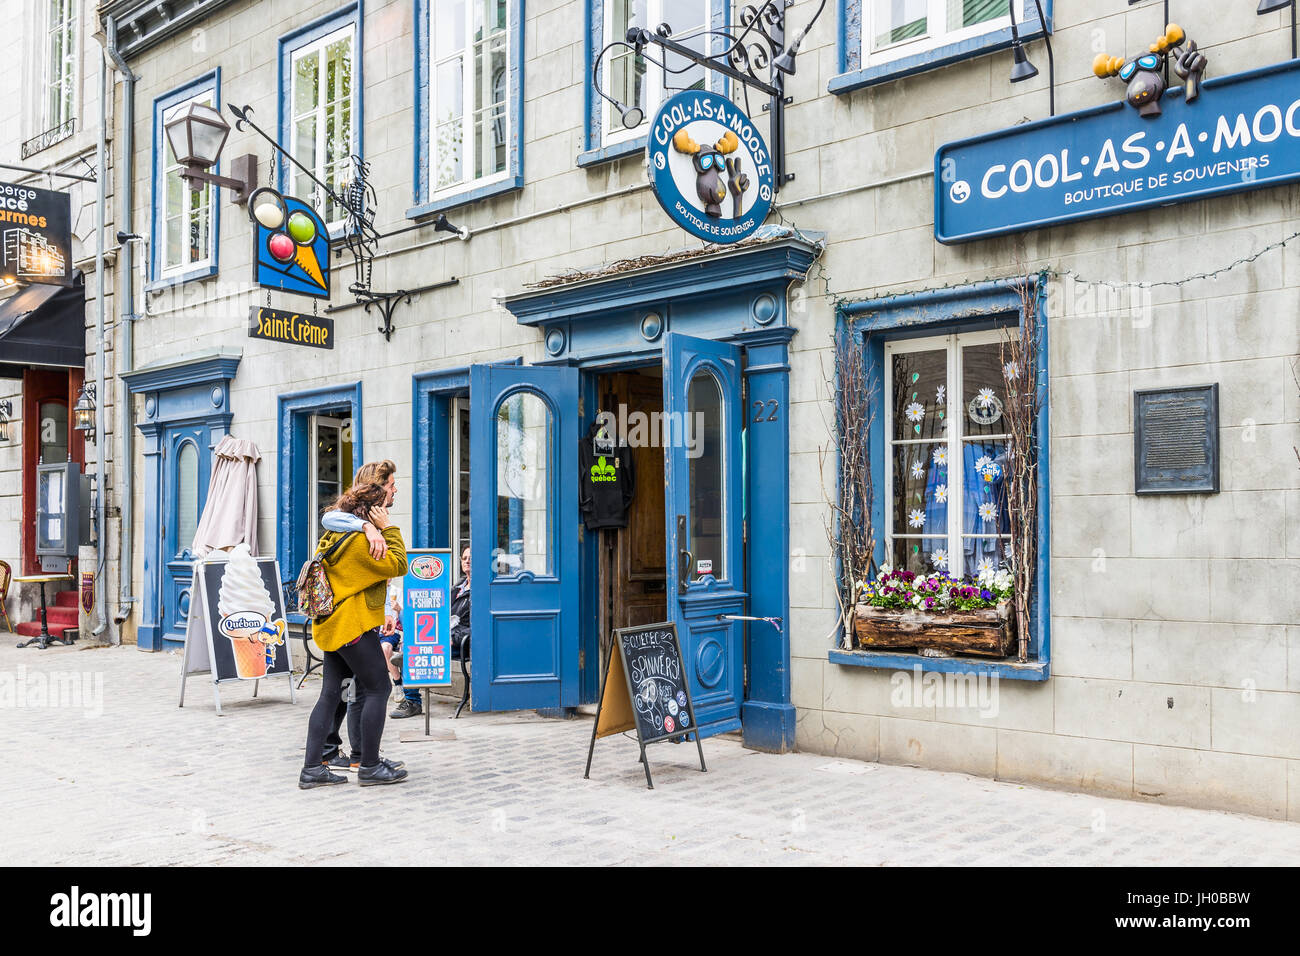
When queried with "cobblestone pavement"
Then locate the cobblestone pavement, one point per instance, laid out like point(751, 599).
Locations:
point(148, 783)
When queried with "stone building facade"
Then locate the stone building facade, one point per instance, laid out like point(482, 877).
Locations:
point(1166, 657)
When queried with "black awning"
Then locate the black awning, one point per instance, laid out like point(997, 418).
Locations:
point(44, 325)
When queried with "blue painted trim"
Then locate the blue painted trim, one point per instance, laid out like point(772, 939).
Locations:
point(296, 40)
point(593, 40)
point(292, 519)
point(594, 157)
point(423, 203)
point(196, 371)
point(208, 81)
point(883, 660)
point(969, 308)
point(853, 76)
point(430, 434)
point(464, 199)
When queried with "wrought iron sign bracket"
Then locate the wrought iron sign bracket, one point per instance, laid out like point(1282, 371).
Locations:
point(387, 302)
point(756, 56)
point(359, 236)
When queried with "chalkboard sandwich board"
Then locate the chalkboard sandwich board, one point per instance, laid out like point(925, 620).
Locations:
point(645, 689)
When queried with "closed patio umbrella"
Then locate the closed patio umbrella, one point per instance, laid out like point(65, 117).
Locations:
point(230, 514)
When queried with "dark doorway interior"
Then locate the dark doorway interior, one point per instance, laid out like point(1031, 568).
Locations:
point(632, 569)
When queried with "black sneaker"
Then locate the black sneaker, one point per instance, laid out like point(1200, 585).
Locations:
point(318, 777)
point(340, 762)
point(380, 773)
point(407, 708)
point(395, 764)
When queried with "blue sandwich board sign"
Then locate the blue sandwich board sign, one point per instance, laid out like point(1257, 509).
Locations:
point(709, 167)
point(1242, 133)
point(426, 619)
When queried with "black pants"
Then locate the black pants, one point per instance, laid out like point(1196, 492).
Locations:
point(363, 661)
point(352, 711)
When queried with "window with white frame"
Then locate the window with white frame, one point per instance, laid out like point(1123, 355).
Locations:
point(898, 28)
point(946, 454)
point(469, 89)
point(635, 81)
point(59, 81)
point(185, 224)
point(321, 126)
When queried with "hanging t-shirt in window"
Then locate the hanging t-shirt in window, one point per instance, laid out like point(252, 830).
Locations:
point(607, 479)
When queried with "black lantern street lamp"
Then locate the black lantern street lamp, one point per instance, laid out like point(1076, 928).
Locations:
point(84, 411)
point(6, 409)
point(197, 133)
point(1021, 68)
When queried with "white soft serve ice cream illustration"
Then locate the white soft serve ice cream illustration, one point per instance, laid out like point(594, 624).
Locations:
point(246, 611)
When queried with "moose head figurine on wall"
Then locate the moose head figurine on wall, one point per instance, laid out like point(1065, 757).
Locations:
point(1146, 82)
point(708, 184)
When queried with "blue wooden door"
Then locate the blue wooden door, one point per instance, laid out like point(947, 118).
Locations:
point(523, 505)
point(187, 467)
point(704, 513)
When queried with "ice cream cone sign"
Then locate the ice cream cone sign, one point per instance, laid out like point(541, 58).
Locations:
point(248, 615)
point(290, 245)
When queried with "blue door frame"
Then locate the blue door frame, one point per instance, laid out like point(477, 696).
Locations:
point(188, 392)
point(736, 297)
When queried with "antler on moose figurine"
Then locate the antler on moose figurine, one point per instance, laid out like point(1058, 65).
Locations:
point(1146, 82)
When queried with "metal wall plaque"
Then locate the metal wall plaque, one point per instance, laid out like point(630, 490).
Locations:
point(1176, 440)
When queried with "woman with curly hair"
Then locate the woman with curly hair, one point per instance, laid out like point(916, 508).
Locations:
point(350, 638)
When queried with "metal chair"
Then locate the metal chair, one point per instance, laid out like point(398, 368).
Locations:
point(291, 607)
point(6, 575)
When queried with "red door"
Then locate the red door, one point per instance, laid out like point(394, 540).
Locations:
point(48, 398)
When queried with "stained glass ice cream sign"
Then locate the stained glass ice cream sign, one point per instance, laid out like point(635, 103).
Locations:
point(290, 245)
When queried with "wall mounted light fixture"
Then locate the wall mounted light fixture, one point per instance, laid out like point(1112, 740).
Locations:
point(196, 133)
point(84, 411)
point(1021, 68)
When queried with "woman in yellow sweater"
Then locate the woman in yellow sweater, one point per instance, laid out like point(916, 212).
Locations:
point(350, 639)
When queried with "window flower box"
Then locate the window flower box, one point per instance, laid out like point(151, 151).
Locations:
point(988, 632)
point(937, 614)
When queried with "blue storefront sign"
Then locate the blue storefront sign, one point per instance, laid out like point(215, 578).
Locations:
point(1243, 132)
point(426, 619)
point(709, 167)
point(291, 245)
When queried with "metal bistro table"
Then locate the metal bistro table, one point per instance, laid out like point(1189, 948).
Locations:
point(44, 639)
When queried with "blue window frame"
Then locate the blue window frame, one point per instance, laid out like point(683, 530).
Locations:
point(883, 40)
point(469, 130)
point(295, 524)
point(185, 226)
point(885, 324)
point(321, 105)
point(603, 138)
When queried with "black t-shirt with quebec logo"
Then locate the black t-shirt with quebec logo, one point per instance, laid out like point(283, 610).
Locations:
point(607, 480)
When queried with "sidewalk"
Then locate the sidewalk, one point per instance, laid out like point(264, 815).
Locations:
point(148, 783)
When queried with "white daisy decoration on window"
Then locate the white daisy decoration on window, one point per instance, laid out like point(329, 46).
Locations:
point(1011, 371)
point(939, 394)
point(941, 494)
point(988, 511)
point(981, 463)
point(914, 412)
point(915, 518)
point(918, 469)
point(939, 558)
point(941, 457)
point(985, 398)
point(985, 567)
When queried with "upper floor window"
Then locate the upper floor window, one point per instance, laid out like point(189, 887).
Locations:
point(185, 220)
point(902, 27)
point(634, 80)
point(59, 80)
point(468, 93)
point(321, 120)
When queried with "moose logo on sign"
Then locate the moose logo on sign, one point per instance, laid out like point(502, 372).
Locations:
point(701, 149)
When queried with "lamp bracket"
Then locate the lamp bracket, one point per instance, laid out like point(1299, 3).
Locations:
point(757, 56)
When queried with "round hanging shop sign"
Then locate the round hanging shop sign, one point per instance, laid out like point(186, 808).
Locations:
point(709, 167)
